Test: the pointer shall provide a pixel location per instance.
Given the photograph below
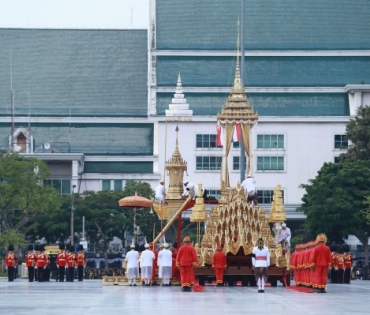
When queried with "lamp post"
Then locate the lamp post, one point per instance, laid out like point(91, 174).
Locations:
point(72, 215)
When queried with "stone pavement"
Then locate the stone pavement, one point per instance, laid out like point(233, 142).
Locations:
point(90, 297)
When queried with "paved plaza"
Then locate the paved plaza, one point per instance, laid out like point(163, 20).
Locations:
point(90, 297)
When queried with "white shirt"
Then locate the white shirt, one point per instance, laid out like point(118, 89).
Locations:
point(189, 186)
point(249, 185)
point(132, 258)
point(261, 258)
point(160, 192)
point(284, 234)
point(146, 258)
point(165, 258)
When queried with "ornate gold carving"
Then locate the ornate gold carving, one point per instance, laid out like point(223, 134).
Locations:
point(199, 213)
point(277, 213)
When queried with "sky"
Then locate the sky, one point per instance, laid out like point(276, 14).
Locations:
point(75, 14)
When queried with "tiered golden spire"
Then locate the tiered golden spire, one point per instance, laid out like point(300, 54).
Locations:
point(277, 213)
point(237, 106)
point(176, 167)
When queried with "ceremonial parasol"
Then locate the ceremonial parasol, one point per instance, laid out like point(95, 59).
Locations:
point(135, 202)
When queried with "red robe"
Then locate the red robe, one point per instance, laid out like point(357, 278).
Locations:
point(186, 259)
point(154, 266)
point(219, 263)
point(175, 269)
point(322, 260)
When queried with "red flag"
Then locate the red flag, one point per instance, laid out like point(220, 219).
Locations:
point(237, 135)
point(220, 135)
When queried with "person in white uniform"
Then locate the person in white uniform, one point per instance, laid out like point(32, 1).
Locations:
point(165, 264)
point(284, 236)
point(189, 186)
point(249, 185)
point(132, 259)
point(261, 262)
point(160, 193)
point(146, 264)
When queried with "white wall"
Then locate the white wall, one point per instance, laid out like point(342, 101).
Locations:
point(75, 14)
point(307, 146)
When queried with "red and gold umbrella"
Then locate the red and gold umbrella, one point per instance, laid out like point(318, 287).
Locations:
point(135, 202)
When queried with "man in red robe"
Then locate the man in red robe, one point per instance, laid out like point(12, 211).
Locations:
point(321, 261)
point(219, 263)
point(175, 269)
point(186, 260)
point(154, 267)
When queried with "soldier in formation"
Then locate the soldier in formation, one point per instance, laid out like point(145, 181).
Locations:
point(11, 262)
point(81, 262)
point(310, 263)
point(30, 263)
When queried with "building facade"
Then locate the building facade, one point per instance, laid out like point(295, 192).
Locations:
point(92, 102)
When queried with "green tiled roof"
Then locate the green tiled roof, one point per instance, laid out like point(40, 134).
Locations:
point(74, 72)
point(119, 139)
point(269, 24)
point(118, 167)
point(264, 71)
point(267, 104)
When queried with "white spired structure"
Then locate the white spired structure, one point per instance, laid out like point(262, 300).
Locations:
point(179, 109)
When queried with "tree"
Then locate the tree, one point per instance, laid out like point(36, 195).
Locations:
point(358, 131)
point(335, 200)
point(12, 237)
point(53, 227)
point(22, 195)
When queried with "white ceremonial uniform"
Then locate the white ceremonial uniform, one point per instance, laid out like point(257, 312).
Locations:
point(160, 193)
point(146, 264)
point(261, 257)
point(132, 258)
point(189, 186)
point(249, 185)
point(165, 263)
point(284, 234)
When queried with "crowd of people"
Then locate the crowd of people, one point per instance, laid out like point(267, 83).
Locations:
point(99, 273)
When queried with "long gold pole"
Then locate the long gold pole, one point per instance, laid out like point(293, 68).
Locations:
point(173, 219)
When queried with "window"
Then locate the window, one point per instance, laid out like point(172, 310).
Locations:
point(63, 186)
point(117, 185)
point(236, 164)
point(336, 160)
point(270, 141)
point(236, 145)
point(206, 141)
point(214, 193)
point(265, 196)
point(208, 163)
point(270, 163)
point(340, 142)
point(106, 184)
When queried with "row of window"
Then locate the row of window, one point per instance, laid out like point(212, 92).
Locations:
point(206, 141)
point(264, 163)
point(264, 196)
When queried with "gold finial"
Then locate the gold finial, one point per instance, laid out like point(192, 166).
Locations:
point(237, 72)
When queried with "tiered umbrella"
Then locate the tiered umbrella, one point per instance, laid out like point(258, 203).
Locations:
point(135, 202)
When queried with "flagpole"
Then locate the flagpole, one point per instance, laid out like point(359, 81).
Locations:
point(242, 158)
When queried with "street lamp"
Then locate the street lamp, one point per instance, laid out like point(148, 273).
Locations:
point(72, 214)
